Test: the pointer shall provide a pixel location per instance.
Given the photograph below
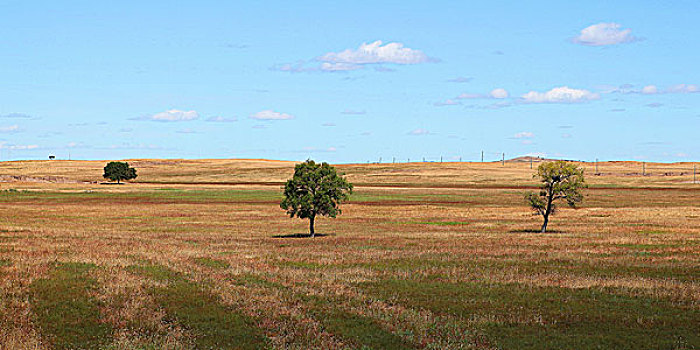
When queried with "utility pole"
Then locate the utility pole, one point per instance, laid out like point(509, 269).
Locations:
point(380, 160)
point(482, 156)
point(460, 159)
point(503, 159)
point(423, 159)
point(530, 162)
point(440, 159)
point(393, 160)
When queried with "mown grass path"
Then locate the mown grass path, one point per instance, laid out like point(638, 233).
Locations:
point(66, 315)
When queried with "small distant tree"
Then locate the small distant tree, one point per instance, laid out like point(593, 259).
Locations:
point(118, 171)
point(315, 189)
point(560, 180)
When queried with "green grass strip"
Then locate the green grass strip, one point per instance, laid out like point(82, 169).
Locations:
point(214, 325)
point(66, 315)
point(364, 332)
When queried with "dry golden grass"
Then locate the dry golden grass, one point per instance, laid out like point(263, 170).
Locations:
point(459, 232)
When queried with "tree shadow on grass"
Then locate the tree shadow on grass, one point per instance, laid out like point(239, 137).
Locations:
point(302, 235)
point(534, 231)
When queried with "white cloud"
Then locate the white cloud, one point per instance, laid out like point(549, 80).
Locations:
point(374, 53)
point(9, 129)
point(17, 116)
point(603, 34)
point(5, 145)
point(466, 96)
point(562, 94)
point(339, 67)
point(418, 132)
point(448, 102)
point(524, 135)
point(460, 80)
point(271, 115)
point(499, 93)
point(650, 90)
point(684, 88)
point(353, 112)
point(173, 115)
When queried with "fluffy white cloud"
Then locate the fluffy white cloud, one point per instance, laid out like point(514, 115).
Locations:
point(603, 34)
point(271, 115)
point(650, 90)
point(499, 93)
point(562, 94)
point(374, 53)
point(524, 135)
point(173, 115)
point(418, 132)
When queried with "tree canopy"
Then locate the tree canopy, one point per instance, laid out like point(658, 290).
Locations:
point(118, 171)
point(560, 180)
point(315, 189)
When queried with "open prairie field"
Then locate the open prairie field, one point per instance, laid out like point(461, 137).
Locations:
point(197, 254)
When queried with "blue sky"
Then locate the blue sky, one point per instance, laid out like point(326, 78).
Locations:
point(350, 82)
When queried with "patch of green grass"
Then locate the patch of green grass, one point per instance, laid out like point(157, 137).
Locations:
point(435, 223)
point(364, 332)
point(302, 264)
point(515, 316)
point(214, 325)
point(212, 263)
point(652, 232)
point(251, 279)
point(155, 272)
point(66, 315)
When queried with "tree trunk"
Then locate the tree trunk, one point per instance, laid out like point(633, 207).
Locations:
point(550, 196)
point(118, 181)
point(312, 233)
point(544, 225)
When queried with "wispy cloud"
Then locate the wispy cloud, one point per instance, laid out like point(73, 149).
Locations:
point(460, 80)
point(9, 129)
point(353, 112)
point(173, 115)
point(419, 132)
point(219, 119)
point(562, 94)
point(524, 135)
point(17, 116)
point(271, 115)
point(604, 34)
point(13, 147)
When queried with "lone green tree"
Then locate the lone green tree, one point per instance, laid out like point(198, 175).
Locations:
point(118, 171)
point(560, 180)
point(315, 189)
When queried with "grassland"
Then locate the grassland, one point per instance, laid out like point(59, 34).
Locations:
point(197, 254)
